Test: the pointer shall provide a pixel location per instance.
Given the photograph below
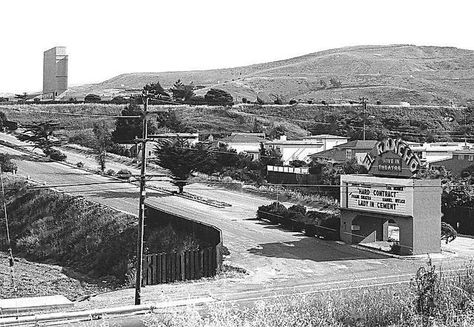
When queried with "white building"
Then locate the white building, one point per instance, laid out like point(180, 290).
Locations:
point(302, 149)
point(431, 152)
point(244, 142)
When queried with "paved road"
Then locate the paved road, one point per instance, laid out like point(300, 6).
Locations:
point(278, 261)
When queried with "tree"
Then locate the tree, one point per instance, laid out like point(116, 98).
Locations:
point(127, 129)
point(7, 165)
point(156, 89)
point(169, 120)
point(180, 158)
point(3, 120)
point(269, 157)
point(216, 97)
point(41, 134)
point(335, 83)
point(102, 142)
point(276, 132)
point(182, 92)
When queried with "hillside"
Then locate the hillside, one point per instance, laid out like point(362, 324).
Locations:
point(391, 74)
point(415, 123)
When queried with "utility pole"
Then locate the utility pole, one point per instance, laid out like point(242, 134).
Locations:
point(363, 100)
point(141, 209)
point(9, 244)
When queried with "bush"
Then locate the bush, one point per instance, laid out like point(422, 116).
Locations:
point(330, 227)
point(57, 155)
point(124, 174)
point(298, 163)
point(448, 233)
point(6, 164)
point(80, 164)
point(110, 172)
point(91, 98)
point(274, 213)
point(293, 101)
point(298, 208)
point(216, 97)
point(9, 167)
point(119, 100)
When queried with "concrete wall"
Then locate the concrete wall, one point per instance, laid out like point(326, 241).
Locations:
point(427, 216)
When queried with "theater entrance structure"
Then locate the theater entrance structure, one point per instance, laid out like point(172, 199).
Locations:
point(391, 192)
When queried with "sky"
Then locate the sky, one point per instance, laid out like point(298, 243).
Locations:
point(107, 38)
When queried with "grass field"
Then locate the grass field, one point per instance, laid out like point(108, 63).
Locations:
point(432, 299)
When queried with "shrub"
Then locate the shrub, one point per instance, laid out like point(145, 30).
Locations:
point(298, 163)
point(297, 221)
point(330, 227)
point(274, 212)
point(80, 164)
point(448, 233)
point(6, 164)
point(395, 248)
point(119, 100)
point(9, 167)
point(293, 101)
point(91, 98)
point(110, 172)
point(216, 97)
point(298, 208)
point(57, 155)
point(124, 173)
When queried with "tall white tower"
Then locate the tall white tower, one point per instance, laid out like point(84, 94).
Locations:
point(55, 69)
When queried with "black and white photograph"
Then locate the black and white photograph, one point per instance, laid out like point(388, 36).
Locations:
point(237, 163)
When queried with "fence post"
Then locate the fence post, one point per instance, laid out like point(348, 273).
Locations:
point(191, 265)
point(183, 266)
point(163, 267)
point(155, 268)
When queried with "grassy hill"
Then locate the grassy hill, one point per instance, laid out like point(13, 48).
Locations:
point(412, 123)
point(391, 74)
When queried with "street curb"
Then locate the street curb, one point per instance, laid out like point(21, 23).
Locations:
point(397, 256)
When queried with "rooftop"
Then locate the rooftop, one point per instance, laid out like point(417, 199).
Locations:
point(358, 144)
point(325, 136)
point(171, 135)
point(244, 138)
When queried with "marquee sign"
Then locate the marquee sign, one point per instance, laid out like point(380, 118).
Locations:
point(392, 196)
point(391, 158)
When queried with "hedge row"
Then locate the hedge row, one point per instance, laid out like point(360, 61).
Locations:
point(297, 218)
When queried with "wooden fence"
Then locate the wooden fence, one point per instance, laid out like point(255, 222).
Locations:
point(169, 267)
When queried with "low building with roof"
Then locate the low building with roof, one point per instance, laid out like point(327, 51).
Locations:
point(244, 142)
point(437, 151)
point(302, 149)
point(340, 153)
point(460, 161)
